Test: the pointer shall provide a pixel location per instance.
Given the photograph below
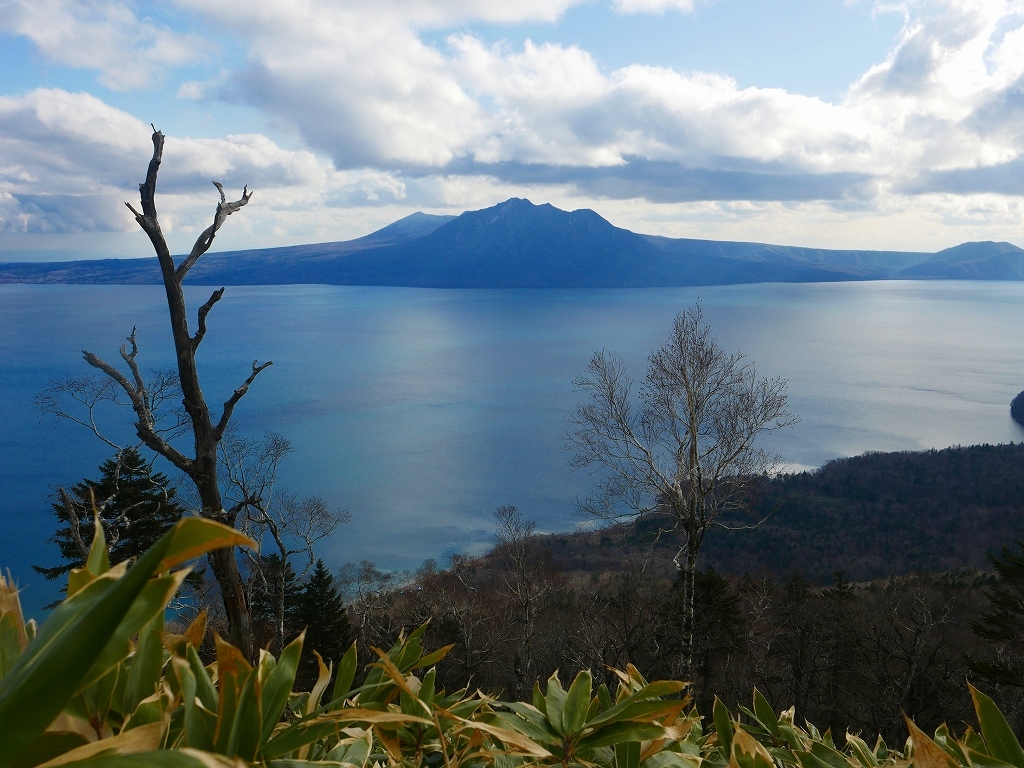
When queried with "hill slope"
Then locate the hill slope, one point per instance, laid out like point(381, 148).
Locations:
point(871, 516)
point(517, 244)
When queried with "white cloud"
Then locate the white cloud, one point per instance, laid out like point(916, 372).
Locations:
point(406, 122)
point(652, 6)
point(69, 160)
point(358, 82)
point(103, 35)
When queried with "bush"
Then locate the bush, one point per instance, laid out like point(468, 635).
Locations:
point(102, 683)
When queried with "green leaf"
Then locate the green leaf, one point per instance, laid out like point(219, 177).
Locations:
point(538, 698)
point(617, 733)
point(310, 730)
point(345, 675)
point(53, 668)
point(809, 760)
point(198, 723)
point(658, 689)
point(627, 755)
point(555, 703)
point(723, 726)
point(829, 756)
point(205, 689)
point(355, 753)
point(247, 725)
point(635, 710)
point(47, 746)
point(148, 661)
point(541, 733)
point(861, 751)
point(98, 561)
point(148, 605)
point(765, 714)
point(192, 537)
point(279, 685)
point(186, 758)
point(97, 698)
point(10, 642)
point(1002, 744)
point(432, 659)
point(604, 697)
point(982, 760)
point(577, 702)
point(748, 753)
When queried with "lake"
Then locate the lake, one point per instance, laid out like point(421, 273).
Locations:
point(422, 410)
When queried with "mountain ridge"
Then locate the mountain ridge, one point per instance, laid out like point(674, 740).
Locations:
point(517, 244)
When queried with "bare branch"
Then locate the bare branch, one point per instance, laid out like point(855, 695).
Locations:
point(237, 395)
point(129, 357)
point(88, 392)
point(76, 533)
point(202, 245)
point(203, 312)
point(145, 424)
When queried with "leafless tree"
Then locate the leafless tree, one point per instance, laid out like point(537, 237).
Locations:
point(527, 585)
point(207, 430)
point(292, 524)
point(370, 593)
point(465, 610)
point(688, 452)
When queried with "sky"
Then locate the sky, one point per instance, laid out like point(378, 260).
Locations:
point(888, 124)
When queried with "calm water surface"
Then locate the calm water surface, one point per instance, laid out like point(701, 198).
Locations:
point(422, 410)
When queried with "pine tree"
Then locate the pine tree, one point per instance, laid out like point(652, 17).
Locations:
point(138, 507)
point(1003, 624)
point(319, 608)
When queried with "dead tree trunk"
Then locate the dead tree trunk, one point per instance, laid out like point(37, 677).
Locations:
point(202, 468)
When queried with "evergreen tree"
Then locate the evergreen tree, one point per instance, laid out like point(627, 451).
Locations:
point(1003, 624)
point(718, 629)
point(319, 608)
point(138, 507)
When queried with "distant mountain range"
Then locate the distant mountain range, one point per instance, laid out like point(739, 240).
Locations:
point(517, 244)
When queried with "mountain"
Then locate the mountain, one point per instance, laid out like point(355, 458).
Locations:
point(517, 244)
point(972, 261)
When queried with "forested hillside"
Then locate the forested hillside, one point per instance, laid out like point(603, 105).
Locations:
point(871, 516)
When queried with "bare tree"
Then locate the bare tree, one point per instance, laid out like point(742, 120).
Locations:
point(371, 593)
point(293, 525)
point(527, 585)
point(201, 468)
point(688, 452)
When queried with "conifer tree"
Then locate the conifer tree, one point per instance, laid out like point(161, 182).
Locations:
point(319, 608)
point(136, 505)
point(1003, 624)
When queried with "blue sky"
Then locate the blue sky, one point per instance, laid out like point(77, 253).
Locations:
point(835, 123)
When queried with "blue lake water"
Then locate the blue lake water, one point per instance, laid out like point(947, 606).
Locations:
point(422, 410)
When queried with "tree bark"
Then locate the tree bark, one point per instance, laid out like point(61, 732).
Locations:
point(202, 469)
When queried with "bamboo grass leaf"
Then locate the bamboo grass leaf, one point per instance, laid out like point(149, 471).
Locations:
point(55, 665)
point(927, 754)
point(577, 702)
point(723, 726)
point(998, 735)
point(346, 674)
point(279, 685)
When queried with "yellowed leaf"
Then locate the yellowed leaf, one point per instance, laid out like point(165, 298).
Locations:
point(141, 739)
point(926, 753)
